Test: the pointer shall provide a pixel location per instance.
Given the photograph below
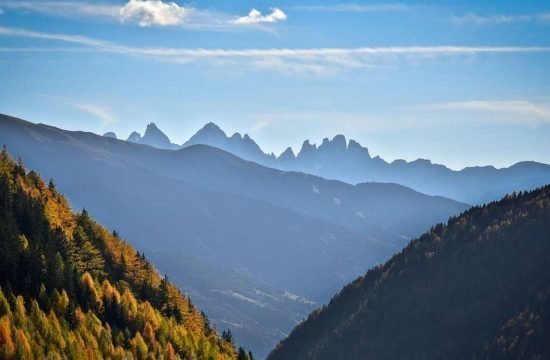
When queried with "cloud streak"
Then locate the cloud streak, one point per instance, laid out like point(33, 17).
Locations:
point(68, 8)
point(102, 113)
point(499, 19)
point(295, 60)
point(359, 8)
point(147, 13)
point(519, 111)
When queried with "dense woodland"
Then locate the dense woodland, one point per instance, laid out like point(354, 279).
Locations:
point(476, 288)
point(72, 289)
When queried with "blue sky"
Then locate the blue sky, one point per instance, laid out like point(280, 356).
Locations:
point(461, 83)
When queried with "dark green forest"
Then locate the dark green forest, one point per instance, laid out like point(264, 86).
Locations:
point(71, 289)
point(475, 288)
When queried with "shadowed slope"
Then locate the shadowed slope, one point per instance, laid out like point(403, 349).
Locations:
point(478, 287)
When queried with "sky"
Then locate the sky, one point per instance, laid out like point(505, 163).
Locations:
point(463, 83)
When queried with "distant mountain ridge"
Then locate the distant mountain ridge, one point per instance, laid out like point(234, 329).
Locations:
point(349, 161)
point(241, 145)
point(153, 136)
point(475, 288)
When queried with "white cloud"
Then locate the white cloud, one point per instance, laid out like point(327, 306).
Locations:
point(520, 111)
point(146, 13)
point(353, 8)
point(256, 17)
point(496, 19)
point(153, 12)
point(294, 61)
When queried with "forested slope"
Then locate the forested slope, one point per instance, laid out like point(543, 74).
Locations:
point(476, 288)
point(70, 288)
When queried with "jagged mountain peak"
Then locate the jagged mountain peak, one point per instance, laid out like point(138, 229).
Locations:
point(307, 147)
point(155, 137)
point(213, 129)
point(210, 126)
point(210, 134)
point(134, 137)
point(152, 129)
point(337, 143)
point(288, 153)
point(355, 147)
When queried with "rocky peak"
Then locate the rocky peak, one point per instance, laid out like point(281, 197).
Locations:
point(110, 134)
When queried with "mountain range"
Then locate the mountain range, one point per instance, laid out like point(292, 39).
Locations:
point(350, 162)
point(475, 288)
point(284, 241)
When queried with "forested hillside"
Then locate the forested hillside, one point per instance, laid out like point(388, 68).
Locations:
point(70, 288)
point(476, 288)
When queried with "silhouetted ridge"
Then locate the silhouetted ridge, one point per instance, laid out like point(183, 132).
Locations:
point(476, 288)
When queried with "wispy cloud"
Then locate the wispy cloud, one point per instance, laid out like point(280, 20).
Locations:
point(310, 60)
point(103, 113)
point(517, 111)
point(147, 13)
point(256, 17)
point(495, 19)
point(64, 8)
point(353, 8)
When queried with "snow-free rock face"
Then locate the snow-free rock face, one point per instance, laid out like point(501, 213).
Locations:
point(110, 134)
point(210, 134)
point(134, 137)
point(241, 145)
point(153, 137)
point(287, 157)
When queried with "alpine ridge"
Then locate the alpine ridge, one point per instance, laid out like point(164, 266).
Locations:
point(349, 161)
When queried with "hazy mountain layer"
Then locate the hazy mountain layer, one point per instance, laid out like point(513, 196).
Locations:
point(352, 163)
point(476, 288)
point(288, 231)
